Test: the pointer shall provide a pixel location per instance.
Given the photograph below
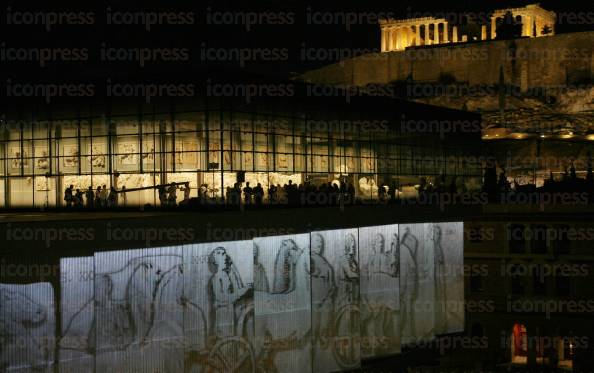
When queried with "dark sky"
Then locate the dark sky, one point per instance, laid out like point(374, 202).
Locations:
point(286, 44)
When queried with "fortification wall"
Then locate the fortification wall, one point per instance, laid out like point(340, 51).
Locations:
point(558, 60)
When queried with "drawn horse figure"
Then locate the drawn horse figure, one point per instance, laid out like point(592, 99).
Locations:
point(20, 346)
point(131, 311)
point(287, 304)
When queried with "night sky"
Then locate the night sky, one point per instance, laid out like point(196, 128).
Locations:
point(289, 39)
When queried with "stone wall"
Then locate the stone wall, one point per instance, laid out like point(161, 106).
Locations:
point(528, 62)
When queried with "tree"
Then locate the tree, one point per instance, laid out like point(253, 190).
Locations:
point(546, 30)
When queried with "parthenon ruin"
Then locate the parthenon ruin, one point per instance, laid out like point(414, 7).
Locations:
point(399, 34)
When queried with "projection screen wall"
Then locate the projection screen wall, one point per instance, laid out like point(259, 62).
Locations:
point(269, 304)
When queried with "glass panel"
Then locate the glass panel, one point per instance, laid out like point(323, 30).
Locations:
point(44, 191)
point(136, 198)
point(127, 153)
point(187, 152)
point(97, 154)
point(41, 162)
point(21, 192)
point(2, 195)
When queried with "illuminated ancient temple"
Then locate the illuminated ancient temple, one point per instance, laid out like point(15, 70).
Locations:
point(399, 34)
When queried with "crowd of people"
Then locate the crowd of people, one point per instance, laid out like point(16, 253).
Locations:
point(291, 194)
point(104, 197)
point(168, 194)
point(240, 193)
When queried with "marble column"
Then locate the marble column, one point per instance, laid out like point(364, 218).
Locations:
point(484, 32)
point(407, 36)
point(390, 39)
point(417, 35)
point(493, 27)
point(427, 35)
point(455, 34)
point(436, 33)
point(528, 26)
point(446, 34)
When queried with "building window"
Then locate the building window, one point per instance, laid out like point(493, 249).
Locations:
point(519, 344)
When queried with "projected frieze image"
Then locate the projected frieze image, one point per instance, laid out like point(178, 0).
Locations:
point(27, 324)
point(138, 306)
point(311, 302)
point(219, 317)
point(283, 303)
point(416, 284)
point(449, 282)
point(77, 340)
point(335, 283)
point(380, 290)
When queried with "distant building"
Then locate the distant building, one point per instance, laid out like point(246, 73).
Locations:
point(399, 34)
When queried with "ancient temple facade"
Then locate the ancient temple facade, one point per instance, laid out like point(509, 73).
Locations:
point(399, 34)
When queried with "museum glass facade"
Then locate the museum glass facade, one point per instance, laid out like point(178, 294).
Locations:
point(39, 158)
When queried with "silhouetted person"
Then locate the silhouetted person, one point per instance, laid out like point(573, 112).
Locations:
point(392, 192)
point(229, 195)
point(162, 195)
point(351, 193)
point(290, 193)
point(381, 193)
point(202, 193)
point(172, 194)
point(124, 197)
point(104, 195)
point(247, 193)
point(98, 197)
point(68, 197)
point(258, 194)
point(78, 198)
point(90, 197)
point(187, 191)
point(112, 198)
point(272, 194)
point(280, 193)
